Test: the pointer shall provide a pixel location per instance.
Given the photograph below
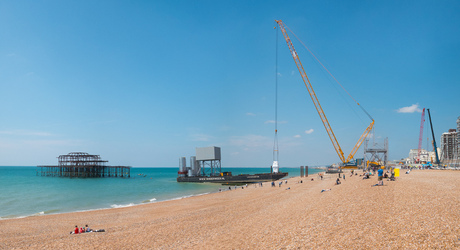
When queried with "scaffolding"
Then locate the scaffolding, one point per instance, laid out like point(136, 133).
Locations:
point(376, 153)
point(83, 165)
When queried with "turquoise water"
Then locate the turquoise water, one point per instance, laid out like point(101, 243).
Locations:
point(23, 193)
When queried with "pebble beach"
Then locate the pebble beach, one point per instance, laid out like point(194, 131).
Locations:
point(420, 210)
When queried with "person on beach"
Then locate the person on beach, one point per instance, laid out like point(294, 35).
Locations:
point(76, 230)
point(337, 182)
point(88, 230)
point(380, 176)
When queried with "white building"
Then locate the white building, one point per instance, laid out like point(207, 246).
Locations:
point(458, 137)
point(449, 145)
point(425, 156)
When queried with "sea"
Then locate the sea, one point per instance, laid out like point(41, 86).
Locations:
point(23, 193)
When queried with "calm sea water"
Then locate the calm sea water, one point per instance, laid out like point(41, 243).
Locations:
point(23, 193)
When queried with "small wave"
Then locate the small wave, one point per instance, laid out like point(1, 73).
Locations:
point(188, 196)
point(52, 211)
point(148, 201)
point(12, 217)
point(119, 206)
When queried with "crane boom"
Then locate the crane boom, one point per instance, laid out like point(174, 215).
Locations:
point(318, 107)
point(421, 136)
point(434, 139)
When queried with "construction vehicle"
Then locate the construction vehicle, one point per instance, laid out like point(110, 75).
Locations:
point(318, 107)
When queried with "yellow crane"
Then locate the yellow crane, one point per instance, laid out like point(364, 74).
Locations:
point(319, 109)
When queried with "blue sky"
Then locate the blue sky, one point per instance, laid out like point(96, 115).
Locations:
point(143, 83)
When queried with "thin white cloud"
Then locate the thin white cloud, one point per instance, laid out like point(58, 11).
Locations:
point(250, 114)
point(273, 121)
point(411, 109)
point(250, 142)
point(297, 136)
point(309, 131)
point(200, 137)
point(24, 133)
point(279, 74)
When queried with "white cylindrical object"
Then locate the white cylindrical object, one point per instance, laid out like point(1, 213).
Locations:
point(183, 166)
point(193, 164)
point(275, 167)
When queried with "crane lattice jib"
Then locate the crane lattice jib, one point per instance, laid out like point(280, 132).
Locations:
point(360, 141)
point(318, 107)
point(420, 138)
point(305, 79)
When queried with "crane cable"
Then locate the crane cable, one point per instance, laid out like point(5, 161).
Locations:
point(329, 72)
point(275, 143)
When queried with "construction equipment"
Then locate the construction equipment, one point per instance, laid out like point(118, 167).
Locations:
point(318, 107)
point(434, 140)
point(421, 136)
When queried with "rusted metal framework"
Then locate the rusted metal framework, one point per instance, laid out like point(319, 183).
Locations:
point(79, 164)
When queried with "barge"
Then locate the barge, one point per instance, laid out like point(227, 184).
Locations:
point(206, 167)
point(228, 178)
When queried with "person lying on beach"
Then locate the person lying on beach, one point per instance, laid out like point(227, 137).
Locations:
point(325, 190)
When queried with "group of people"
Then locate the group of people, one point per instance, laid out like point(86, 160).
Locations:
point(84, 229)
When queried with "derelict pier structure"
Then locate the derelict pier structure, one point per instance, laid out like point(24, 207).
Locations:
point(84, 165)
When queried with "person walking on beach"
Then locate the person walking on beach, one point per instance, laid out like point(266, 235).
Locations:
point(380, 176)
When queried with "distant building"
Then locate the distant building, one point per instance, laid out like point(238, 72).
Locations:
point(449, 144)
point(458, 137)
point(425, 156)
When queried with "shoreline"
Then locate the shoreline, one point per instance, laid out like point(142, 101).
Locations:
point(40, 197)
point(419, 210)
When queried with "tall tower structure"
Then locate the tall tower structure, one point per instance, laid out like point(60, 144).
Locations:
point(458, 138)
point(376, 152)
point(449, 145)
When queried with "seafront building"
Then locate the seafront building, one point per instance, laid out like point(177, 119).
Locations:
point(425, 156)
point(449, 145)
point(458, 137)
